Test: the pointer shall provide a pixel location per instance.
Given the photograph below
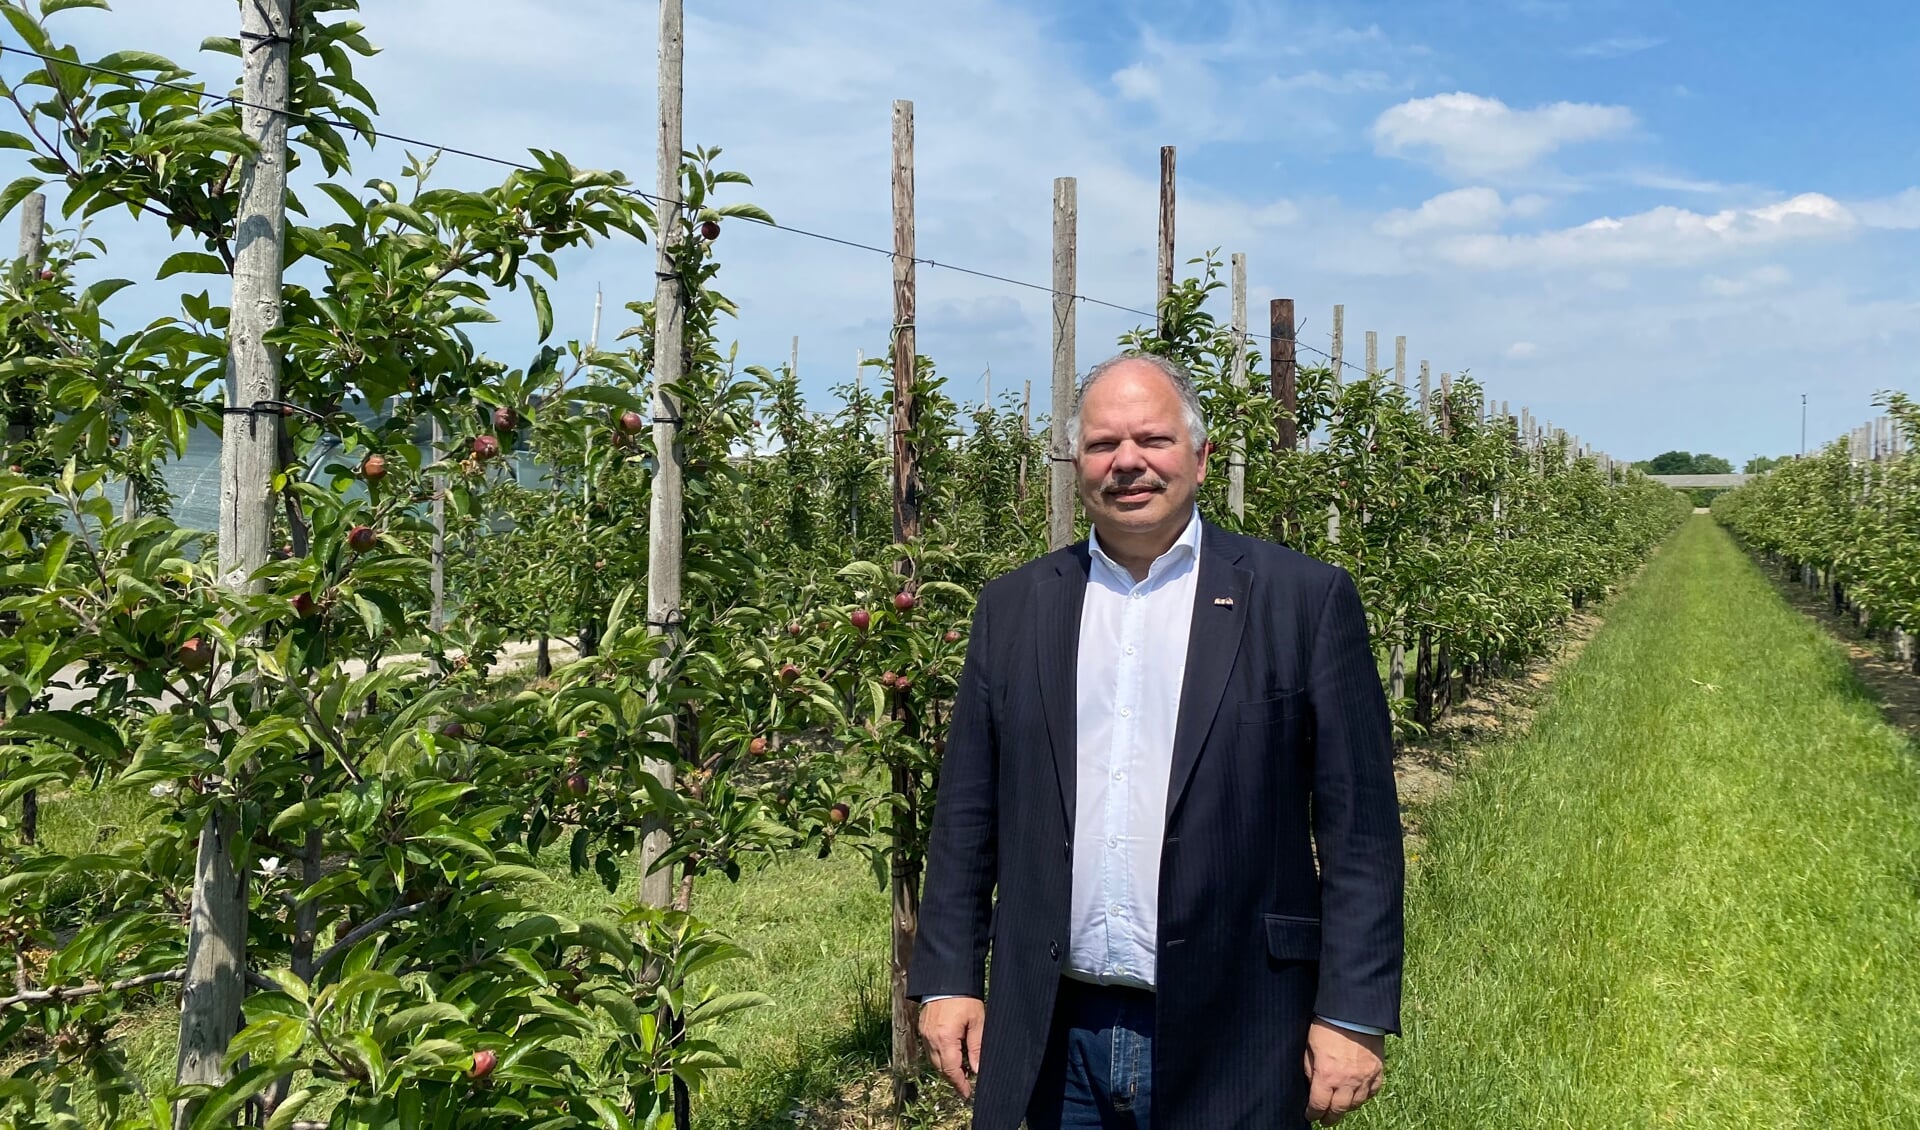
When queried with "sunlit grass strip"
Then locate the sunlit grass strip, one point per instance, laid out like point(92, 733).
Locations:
point(1687, 898)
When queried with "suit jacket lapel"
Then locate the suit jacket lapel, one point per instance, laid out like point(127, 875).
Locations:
point(1212, 645)
point(1060, 599)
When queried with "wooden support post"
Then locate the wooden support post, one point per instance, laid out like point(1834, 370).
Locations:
point(1339, 358)
point(1400, 361)
point(904, 874)
point(1026, 440)
point(33, 228)
point(1426, 391)
point(215, 984)
point(1163, 278)
point(437, 613)
point(1060, 487)
point(906, 465)
point(1285, 374)
point(1237, 445)
point(1373, 354)
point(666, 529)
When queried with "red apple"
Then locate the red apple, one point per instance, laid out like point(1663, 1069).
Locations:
point(631, 422)
point(483, 1063)
point(788, 673)
point(195, 655)
point(904, 601)
point(794, 629)
point(374, 468)
point(757, 747)
point(861, 619)
point(303, 604)
point(952, 636)
point(888, 678)
point(362, 538)
point(505, 419)
point(453, 730)
point(838, 814)
point(577, 784)
point(485, 447)
point(903, 684)
point(709, 230)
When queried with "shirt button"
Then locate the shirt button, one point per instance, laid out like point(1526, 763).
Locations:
point(1113, 841)
point(1116, 909)
point(1126, 712)
point(1129, 649)
point(1119, 775)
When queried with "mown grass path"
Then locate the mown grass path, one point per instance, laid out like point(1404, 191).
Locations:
point(1689, 897)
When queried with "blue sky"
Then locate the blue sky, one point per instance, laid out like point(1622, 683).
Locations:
point(1655, 225)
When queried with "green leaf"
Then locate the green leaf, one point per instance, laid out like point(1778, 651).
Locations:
point(15, 141)
point(725, 1004)
point(542, 308)
point(19, 190)
point(71, 727)
point(289, 1110)
point(49, 7)
point(135, 60)
point(191, 263)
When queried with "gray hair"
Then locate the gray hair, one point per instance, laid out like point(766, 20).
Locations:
point(1177, 376)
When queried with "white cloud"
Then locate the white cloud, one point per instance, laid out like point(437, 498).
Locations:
point(1663, 235)
point(1900, 212)
point(1521, 350)
point(1463, 209)
point(1469, 135)
point(1769, 277)
point(1616, 47)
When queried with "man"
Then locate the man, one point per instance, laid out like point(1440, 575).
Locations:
point(1155, 734)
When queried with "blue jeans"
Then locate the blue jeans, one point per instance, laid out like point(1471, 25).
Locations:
point(1098, 1070)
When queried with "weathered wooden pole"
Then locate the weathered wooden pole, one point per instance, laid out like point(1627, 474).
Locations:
point(1426, 391)
point(905, 870)
point(906, 464)
point(1060, 492)
point(1400, 361)
point(1285, 373)
point(1026, 440)
point(1373, 354)
point(1163, 275)
point(214, 985)
point(33, 228)
point(1339, 358)
point(33, 231)
point(1237, 444)
point(437, 614)
point(666, 529)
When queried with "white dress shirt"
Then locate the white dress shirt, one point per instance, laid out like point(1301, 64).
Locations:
point(1133, 660)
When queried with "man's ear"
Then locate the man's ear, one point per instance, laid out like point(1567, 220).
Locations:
point(1206, 449)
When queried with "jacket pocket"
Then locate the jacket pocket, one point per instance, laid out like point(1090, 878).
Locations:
point(1267, 711)
point(1290, 938)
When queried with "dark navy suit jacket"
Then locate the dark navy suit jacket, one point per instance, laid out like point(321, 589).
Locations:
point(1283, 749)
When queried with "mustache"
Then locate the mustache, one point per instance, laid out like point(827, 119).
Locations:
point(1154, 482)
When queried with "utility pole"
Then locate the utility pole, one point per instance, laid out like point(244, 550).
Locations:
point(666, 519)
point(214, 984)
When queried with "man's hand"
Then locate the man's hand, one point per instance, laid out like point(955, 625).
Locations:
point(952, 1030)
point(1344, 1069)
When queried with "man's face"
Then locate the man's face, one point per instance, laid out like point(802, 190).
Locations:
point(1138, 468)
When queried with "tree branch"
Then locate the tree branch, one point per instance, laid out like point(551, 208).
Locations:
point(361, 933)
point(75, 992)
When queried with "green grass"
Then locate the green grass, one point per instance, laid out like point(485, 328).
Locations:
point(1688, 897)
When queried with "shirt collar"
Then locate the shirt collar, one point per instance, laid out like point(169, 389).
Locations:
point(1186, 545)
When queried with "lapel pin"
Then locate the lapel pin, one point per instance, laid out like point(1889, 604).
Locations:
point(1223, 601)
